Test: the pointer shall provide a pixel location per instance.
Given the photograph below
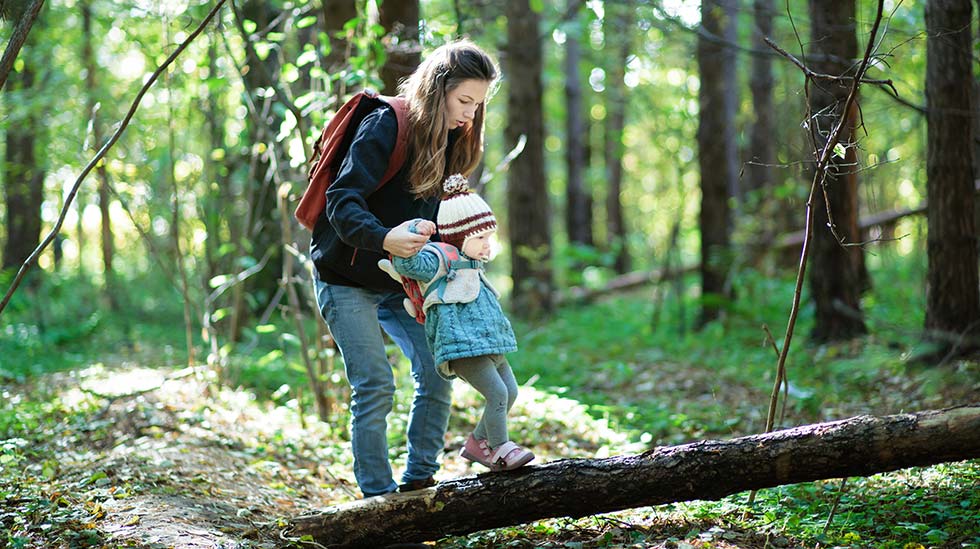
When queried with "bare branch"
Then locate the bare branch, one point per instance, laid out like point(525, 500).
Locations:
point(818, 179)
point(813, 75)
point(30, 261)
point(18, 39)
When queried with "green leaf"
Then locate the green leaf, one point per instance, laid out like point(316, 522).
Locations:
point(289, 73)
point(218, 280)
point(265, 328)
point(219, 314)
point(269, 357)
point(306, 58)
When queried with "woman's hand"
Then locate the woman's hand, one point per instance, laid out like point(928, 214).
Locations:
point(402, 242)
point(424, 227)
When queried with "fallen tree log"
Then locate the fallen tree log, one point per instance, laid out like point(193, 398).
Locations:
point(705, 470)
point(789, 241)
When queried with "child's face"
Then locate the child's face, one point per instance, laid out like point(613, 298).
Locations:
point(478, 247)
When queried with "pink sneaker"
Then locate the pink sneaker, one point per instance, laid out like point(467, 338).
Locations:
point(510, 456)
point(476, 450)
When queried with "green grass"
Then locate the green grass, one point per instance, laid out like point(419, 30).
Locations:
point(622, 374)
point(645, 376)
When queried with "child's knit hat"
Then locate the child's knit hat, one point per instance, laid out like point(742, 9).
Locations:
point(462, 213)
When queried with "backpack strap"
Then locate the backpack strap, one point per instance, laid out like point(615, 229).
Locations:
point(400, 106)
point(333, 143)
point(450, 257)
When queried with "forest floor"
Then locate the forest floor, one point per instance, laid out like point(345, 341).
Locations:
point(155, 459)
point(103, 443)
point(127, 456)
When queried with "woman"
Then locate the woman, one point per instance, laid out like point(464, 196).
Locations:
point(362, 224)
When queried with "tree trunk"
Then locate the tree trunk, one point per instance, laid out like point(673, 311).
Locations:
point(707, 470)
point(336, 13)
point(23, 172)
point(952, 299)
point(578, 199)
point(260, 226)
point(25, 14)
point(835, 271)
point(762, 153)
point(617, 31)
point(527, 195)
point(110, 294)
point(716, 151)
point(400, 20)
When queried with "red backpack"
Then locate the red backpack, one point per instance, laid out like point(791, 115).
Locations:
point(331, 148)
point(332, 145)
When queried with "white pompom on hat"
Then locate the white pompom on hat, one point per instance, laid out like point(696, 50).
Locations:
point(462, 213)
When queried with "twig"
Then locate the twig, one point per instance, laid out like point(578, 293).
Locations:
point(818, 177)
point(17, 40)
point(833, 510)
point(504, 164)
point(32, 259)
point(781, 378)
point(813, 75)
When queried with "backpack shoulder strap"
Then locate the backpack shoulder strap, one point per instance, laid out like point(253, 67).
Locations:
point(400, 106)
point(325, 150)
point(334, 141)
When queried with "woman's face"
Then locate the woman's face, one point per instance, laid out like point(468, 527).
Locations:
point(463, 101)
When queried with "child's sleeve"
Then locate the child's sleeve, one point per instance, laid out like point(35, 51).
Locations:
point(422, 266)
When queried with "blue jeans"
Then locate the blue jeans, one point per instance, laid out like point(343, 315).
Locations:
point(355, 317)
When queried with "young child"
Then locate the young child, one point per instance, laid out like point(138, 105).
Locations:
point(464, 324)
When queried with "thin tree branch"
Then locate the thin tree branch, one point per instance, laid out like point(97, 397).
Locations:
point(17, 41)
point(813, 75)
point(30, 261)
point(818, 177)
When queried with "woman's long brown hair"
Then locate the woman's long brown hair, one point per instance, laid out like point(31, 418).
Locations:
point(426, 88)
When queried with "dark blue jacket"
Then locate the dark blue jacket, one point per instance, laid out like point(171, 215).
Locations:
point(348, 238)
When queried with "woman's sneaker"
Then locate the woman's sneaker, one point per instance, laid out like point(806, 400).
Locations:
point(419, 484)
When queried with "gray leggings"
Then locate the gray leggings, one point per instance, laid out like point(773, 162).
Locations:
point(492, 377)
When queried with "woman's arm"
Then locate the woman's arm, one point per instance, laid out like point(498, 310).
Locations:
point(358, 177)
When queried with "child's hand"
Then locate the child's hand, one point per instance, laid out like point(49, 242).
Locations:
point(424, 227)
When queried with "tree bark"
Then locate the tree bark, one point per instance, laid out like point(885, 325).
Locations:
point(578, 199)
point(527, 194)
point(952, 298)
point(400, 20)
point(716, 151)
point(110, 294)
point(762, 153)
point(25, 15)
point(260, 225)
point(617, 31)
point(835, 275)
point(706, 470)
point(23, 170)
